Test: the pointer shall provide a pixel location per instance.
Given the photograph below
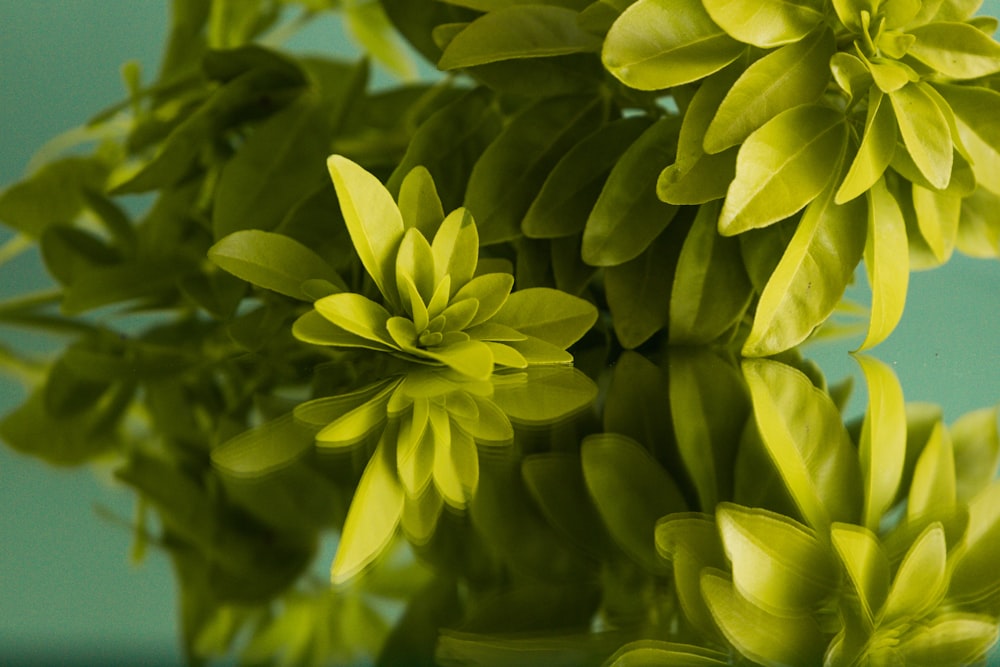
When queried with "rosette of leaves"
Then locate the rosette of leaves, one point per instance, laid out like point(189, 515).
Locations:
point(435, 308)
point(830, 132)
point(879, 547)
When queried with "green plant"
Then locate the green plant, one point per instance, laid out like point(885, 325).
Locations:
point(541, 393)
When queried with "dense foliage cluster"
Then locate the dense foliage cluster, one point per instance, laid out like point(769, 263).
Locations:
point(576, 396)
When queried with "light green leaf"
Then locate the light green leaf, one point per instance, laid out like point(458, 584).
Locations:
point(657, 44)
point(889, 75)
point(273, 261)
point(957, 50)
point(851, 74)
point(976, 441)
point(783, 166)
point(951, 639)
point(571, 189)
point(886, 262)
point(631, 491)
point(525, 31)
point(491, 290)
point(654, 653)
point(978, 128)
point(265, 449)
point(456, 249)
point(315, 329)
point(356, 314)
point(866, 565)
point(802, 431)
point(778, 564)
point(883, 439)
point(979, 226)
point(320, 412)
point(419, 203)
point(875, 152)
point(511, 171)
point(628, 215)
point(766, 23)
point(925, 132)
point(537, 351)
point(932, 492)
point(357, 423)
point(548, 314)
point(416, 266)
point(788, 77)
point(711, 289)
point(547, 394)
point(761, 636)
point(279, 164)
point(372, 518)
point(810, 279)
point(938, 214)
point(373, 221)
point(921, 580)
point(691, 542)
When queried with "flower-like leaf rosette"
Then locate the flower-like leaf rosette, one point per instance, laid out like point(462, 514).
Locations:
point(436, 308)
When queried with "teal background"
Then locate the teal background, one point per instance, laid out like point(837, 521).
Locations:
point(66, 584)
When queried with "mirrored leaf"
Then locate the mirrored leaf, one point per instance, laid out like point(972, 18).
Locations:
point(921, 580)
point(883, 439)
point(866, 565)
point(976, 445)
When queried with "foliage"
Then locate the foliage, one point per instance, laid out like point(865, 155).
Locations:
point(566, 420)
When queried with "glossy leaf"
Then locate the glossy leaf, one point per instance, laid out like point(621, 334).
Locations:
point(766, 23)
point(803, 433)
point(761, 636)
point(456, 250)
point(553, 316)
point(711, 289)
point(851, 74)
point(371, 520)
point(887, 264)
point(875, 152)
point(866, 564)
point(788, 77)
point(357, 315)
point(419, 203)
point(957, 50)
point(273, 261)
point(631, 492)
point(925, 132)
point(628, 215)
point(783, 166)
point(921, 580)
point(526, 31)
point(883, 439)
point(811, 277)
point(657, 44)
point(374, 222)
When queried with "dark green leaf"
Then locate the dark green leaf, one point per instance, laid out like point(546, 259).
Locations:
point(52, 195)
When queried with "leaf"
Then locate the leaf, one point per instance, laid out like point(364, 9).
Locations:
point(419, 203)
point(950, 639)
point(652, 653)
point(355, 424)
point(760, 636)
point(553, 316)
point(925, 132)
point(373, 221)
point(938, 214)
point(456, 249)
point(875, 152)
point(357, 315)
point(510, 172)
point(691, 542)
point(883, 440)
point(471, 358)
point(711, 289)
point(524, 31)
point(574, 184)
point(265, 449)
point(957, 50)
point(628, 215)
point(802, 431)
point(921, 580)
point(117, 283)
point(979, 228)
point(932, 491)
point(631, 492)
point(811, 277)
point(279, 164)
point(788, 77)
point(976, 440)
point(778, 564)
point(53, 194)
point(637, 291)
point(372, 518)
point(783, 166)
point(491, 290)
point(974, 576)
point(851, 73)
point(887, 264)
point(272, 261)
point(658, 44)
point(766, 23)
point(547, 395)
point(867, 567)
point(978, 128)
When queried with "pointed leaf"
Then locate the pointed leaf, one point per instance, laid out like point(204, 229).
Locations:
point(976, 439)
point(883, 439)
point(416, 265)
point(357, 315)
point(783, 166)
point(491, 290)
point(553, 316)
point(932, 492)
point(921, 580)
point(887, 264)
point(657, 44)
point(866, 565)
point(354, 425)
point(419, 203)
point(925, 132)
point(951, 639)
point(875, 152)
point(456, 249)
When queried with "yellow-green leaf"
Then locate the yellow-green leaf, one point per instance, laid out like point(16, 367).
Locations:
point(925, 132)
point(875, 152)
point(887, 263)
point(766, 23)
point(883, 439)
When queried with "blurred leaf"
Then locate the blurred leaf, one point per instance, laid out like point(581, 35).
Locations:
point(631, 492)
point(684, 44)
point(369, 25)
point(419, 203)
point(650, 653)
point(932, 491)
point(974, 576)
point(525, 31)
point(628, 215)
point(951, 639)
point(264, 449)
point(783, 166)
point(976, 440)
point(547, 394)
point(54, 194)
